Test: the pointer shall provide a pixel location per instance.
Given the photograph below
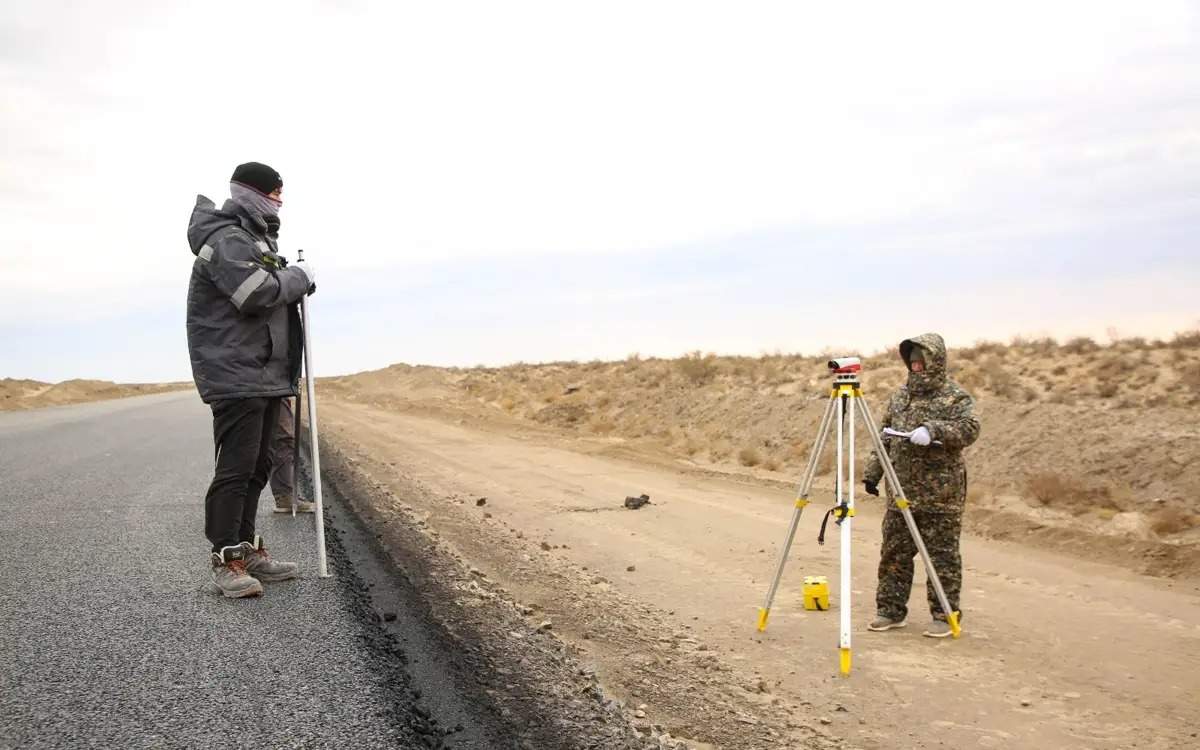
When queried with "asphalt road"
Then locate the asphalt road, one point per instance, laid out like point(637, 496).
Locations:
point(109, 634)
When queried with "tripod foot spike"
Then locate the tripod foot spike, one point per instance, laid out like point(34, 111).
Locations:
point(763, 614)
point(952, 620)
point(845, 661)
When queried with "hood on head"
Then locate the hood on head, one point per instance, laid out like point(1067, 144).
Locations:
point(206, 218)
point(933, 348)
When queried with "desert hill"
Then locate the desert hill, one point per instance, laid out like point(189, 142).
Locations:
point(33, 394)
point(1080, 441)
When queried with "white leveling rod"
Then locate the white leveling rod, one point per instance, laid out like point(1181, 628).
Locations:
point(314, 445)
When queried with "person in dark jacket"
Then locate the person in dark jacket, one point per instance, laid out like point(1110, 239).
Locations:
point(244, 340)
point(930, 466)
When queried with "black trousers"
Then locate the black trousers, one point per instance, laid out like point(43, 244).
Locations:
point(242, 432)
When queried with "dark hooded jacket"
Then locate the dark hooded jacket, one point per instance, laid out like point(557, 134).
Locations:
point(243, 331)
point(934, 478)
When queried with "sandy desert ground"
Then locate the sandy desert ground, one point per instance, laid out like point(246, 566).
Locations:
point(1082, 590)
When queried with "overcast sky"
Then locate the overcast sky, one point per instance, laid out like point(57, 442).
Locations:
point(493, 182)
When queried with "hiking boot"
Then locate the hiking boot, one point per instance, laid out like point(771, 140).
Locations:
point(229, 573)
point(881, 623)
point(937, 629)
point(283, 504)
point(260, 565)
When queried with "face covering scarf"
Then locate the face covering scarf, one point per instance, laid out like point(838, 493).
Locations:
point(254, 201)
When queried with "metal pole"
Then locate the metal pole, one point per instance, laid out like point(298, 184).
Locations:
point(847, 527)
point(295, 453)
point(801, 501)
point(314, 446)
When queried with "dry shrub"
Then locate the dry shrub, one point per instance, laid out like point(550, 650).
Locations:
point(1107, 389)
point(1064, 492)
point(1172, 520)
point(1186, 339)
point(1044, 345)
point(1050, 488)
point(749, 456)
point(697, 368)
point(985, 348)
point(1189, 380)
point(970, 378)
point(1000, 380)
point(1080, 345)
point(508, 403)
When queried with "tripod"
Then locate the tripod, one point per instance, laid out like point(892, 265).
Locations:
point(847, 390)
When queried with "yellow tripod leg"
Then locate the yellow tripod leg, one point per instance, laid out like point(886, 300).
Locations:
point(801, 501)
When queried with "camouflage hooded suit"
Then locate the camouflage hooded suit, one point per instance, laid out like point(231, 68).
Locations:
point(934, 479)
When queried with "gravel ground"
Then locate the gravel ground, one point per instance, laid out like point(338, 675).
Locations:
point(110, 637)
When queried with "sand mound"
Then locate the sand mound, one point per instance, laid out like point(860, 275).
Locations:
point(32, 394)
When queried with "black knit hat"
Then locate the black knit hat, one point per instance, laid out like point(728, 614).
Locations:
point(258, 176)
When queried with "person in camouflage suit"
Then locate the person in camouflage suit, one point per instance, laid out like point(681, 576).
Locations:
point(931, 469)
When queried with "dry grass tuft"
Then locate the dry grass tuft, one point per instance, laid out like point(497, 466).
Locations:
point(1172, 520)
point(749, 456)
point(1064, 492)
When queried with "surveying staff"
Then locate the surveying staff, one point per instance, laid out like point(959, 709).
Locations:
point(245, 345)
point(929, 464)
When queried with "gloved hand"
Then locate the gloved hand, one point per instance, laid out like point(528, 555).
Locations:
point(921, 436)
point(871, 487)
point(307, 268)
point(309, 272)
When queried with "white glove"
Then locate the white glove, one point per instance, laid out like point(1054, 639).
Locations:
point(921, 436)
point(304, 266)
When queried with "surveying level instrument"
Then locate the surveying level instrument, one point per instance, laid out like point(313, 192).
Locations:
point(847, 392)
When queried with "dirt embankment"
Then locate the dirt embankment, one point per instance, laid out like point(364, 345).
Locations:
point(16, 395)
point(1079, 442)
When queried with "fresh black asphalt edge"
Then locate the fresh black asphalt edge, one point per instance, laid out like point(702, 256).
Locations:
point(481, 675)
point(439, 711)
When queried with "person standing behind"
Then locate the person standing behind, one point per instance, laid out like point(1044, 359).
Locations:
point(245, 353)
point(283, 456)
point(930, 466)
